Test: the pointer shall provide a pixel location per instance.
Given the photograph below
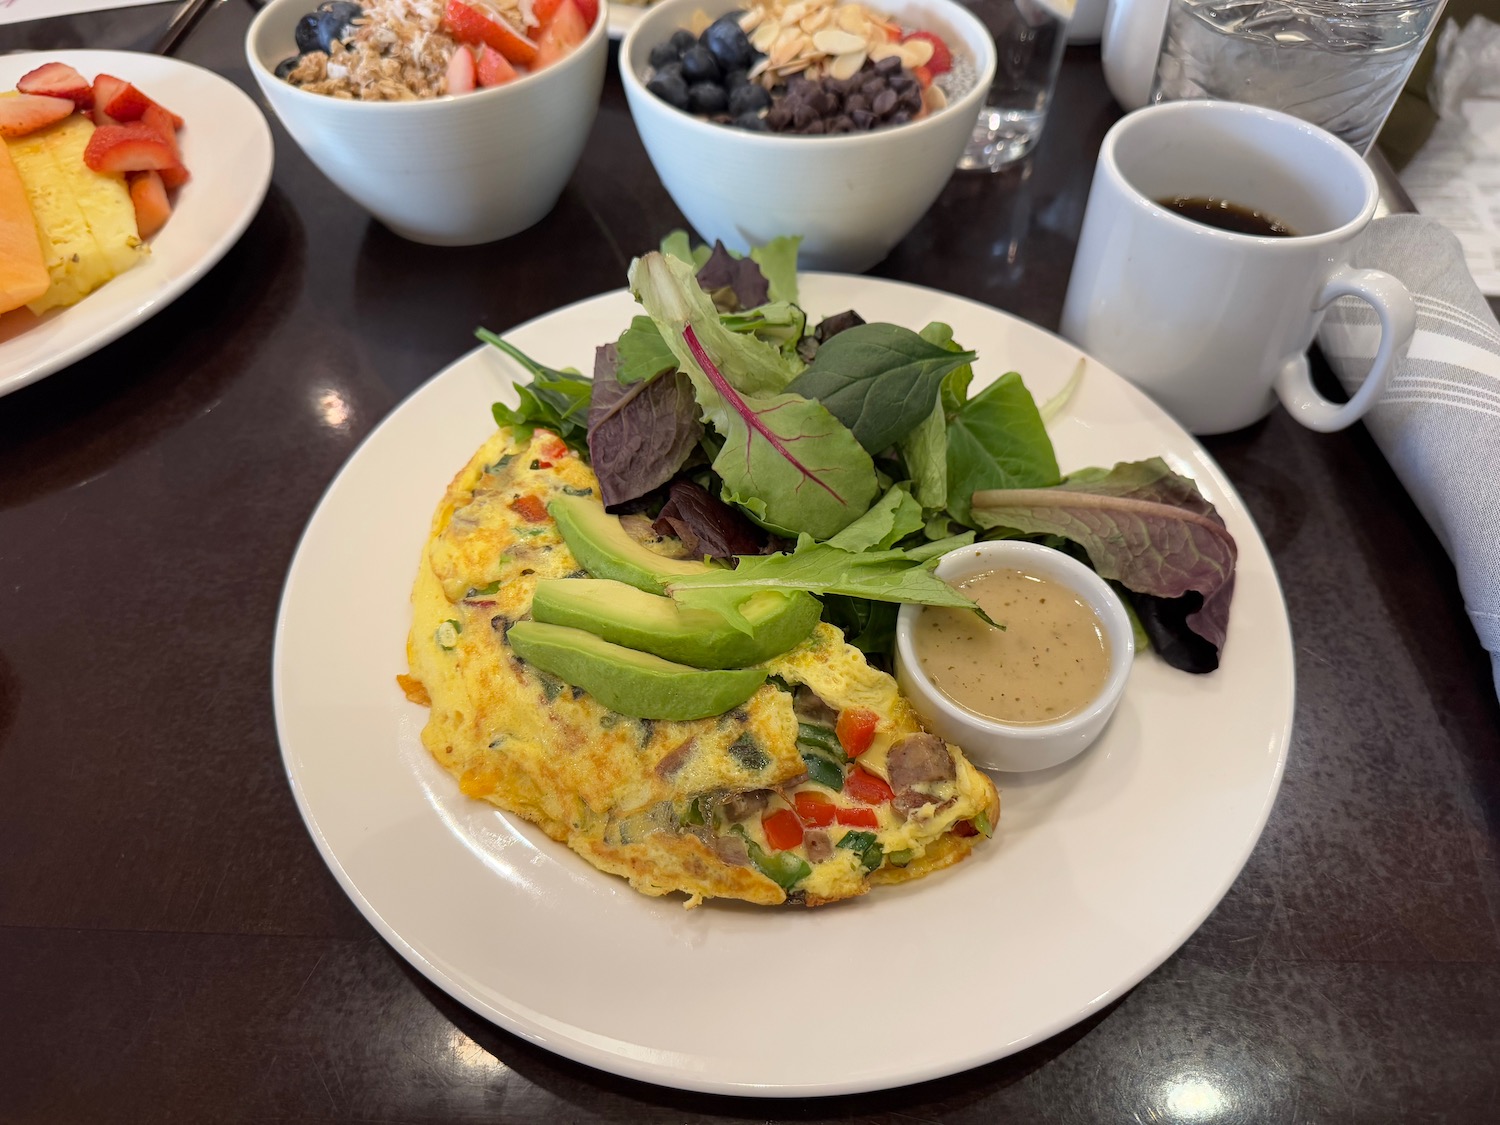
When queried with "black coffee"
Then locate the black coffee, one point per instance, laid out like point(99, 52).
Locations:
point(1229, 216)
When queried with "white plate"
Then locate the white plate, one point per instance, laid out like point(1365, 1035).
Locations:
point(622, 17)
point(1099, 870)
point(226, 145)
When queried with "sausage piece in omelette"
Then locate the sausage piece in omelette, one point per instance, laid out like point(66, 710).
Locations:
point(759, 803)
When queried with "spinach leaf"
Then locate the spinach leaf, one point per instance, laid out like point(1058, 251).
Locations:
point(880, 380)
point(553, 400)
point(868, 626)
point(997, 440)
point(890, 519)
point(643, 353)
point(1143, 526)
point(639, 435)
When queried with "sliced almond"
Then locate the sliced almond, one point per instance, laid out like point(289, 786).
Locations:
point(934, 98)
point(792, 13)
point(851, 17)
point(835, 41)
point(816, 21)
point(752, 19)
point(789, 46)
point(885, 49)
point(764, 36)
point(847, 65)
point(916, 52)
point(796, 66)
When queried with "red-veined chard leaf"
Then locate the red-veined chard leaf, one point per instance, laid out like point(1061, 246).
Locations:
point(1142, 525)
point(639, 435)
point(997, 440)
point(880, 380)
point(785, 460)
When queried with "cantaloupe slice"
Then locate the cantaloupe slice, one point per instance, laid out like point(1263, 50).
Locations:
point(23, 272)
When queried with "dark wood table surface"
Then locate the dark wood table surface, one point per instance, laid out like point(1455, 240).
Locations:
point(172, 948)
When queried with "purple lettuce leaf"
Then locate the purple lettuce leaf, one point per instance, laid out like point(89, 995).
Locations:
point(639, 433)
point(1141, 525)
point(708, 527)
point(724, 275)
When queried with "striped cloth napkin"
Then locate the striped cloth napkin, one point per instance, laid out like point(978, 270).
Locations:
point(1438, 422)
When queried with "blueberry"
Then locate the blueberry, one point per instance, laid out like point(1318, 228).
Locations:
point(662, 54)
point(306, 35)
point(286, 66)
point(707, 97)
point(334, 26)
point(673, 69)
point(751, 121)
point(748, 99)
point(729, 44)
point(344, 8)
point(671, 89)
point(682, 40)
point(698, 65)
point(735, 79)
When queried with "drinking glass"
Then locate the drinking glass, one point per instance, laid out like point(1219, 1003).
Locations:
point(1029, 39)
point(1335, 63)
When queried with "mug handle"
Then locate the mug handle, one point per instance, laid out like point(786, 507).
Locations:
point(1398, 318)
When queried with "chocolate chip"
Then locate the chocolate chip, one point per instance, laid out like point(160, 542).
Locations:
point(885, 103)
point(862, 118)
point(888, 65)
point(841, 124)
point(856, 102)
point(803, 115)
point(814, 129)
point(779, 116)
point(825, 103)
point(874, 86)
point(910, 100)
point(900, 117)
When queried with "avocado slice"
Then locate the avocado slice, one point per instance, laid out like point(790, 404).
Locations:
point(606, 550)
point(651, 623)
point(633, 683)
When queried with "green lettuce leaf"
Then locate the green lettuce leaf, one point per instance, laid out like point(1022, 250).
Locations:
point(643, 353)
point(777, 260)
point(890, 519)
point(925, 451)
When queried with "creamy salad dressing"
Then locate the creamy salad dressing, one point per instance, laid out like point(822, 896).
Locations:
point(1049, 661)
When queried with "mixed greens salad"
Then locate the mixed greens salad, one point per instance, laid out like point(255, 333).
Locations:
point(845, 459)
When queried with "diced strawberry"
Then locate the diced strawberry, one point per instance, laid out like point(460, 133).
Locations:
point(131, 147)
point(589, 9)
point(924, 76)
point(26, 113)
point(462, 70)
point(149, 194)
point(160, 120)
point(942, 58)
point(58, 80)
point(494, 69)
point(106, 86)
point(471, 23)
point(542, 10)
point(123, 102)
point(558, 39)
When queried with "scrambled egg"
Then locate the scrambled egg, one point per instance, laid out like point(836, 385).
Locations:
point(698, 806)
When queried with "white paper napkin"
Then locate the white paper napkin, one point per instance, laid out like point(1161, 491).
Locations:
point(19, 11)
point(1438, 422)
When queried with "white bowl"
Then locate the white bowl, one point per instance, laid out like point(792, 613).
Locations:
point(449, 171)
point(1018, 747)
point(851, 197)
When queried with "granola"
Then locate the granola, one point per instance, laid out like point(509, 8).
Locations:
point(398, 52)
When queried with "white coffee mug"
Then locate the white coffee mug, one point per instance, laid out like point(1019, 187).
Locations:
point(1214, 324)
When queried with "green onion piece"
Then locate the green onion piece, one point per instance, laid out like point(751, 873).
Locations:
point(446, 635)
point(782, 868)
point(821, 737)
point(692, 814)
point(484, 591)
point(982, 822)
point(857, 841)
point(827, 773)
point(902, 858)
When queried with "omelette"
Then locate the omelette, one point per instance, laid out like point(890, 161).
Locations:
point(759, 803)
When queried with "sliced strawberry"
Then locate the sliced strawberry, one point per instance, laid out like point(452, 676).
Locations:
point(558, 39)
point(589, 9)
point(462, 71)
point(494, 69)
point(58, 80)
point(106, 87)
point(131, 147)
point(471, 23)
point(942, 58)
point(152, 209)
point(542, 10)
point(924, 76)
point(26, 113)
point(123, 102)
point(160, 120)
